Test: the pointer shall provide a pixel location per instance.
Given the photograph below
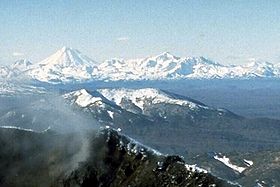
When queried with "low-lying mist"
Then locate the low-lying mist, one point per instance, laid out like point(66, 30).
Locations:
point(39, 112)
point(58, 144)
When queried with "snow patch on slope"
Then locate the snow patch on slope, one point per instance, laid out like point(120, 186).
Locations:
point(111, 114)
point(195, 168)
point(248, 162)
point(228, 163)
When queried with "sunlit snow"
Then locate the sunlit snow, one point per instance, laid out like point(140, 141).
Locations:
point(227, 162)
point(70, 65)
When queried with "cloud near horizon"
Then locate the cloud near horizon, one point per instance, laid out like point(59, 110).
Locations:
point(18, 54)
point(123, 39)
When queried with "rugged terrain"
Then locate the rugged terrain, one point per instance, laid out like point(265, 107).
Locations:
point(98, 158)
point(69, 65)
point(216, 140)
point(68, 92)
point(175, 123)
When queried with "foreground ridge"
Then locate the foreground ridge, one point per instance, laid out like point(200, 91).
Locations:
point(110, 159)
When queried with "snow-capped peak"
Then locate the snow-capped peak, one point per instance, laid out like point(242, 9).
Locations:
point(161, 58)
point(205, 60)
point(68, 57)
point(65, 48)
point(162, 66)
point(165, 56)
point(66, 65)
point(257, 63)
point(260, 68)
point(22, 64)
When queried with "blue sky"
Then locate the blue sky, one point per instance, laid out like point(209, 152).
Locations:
point(227, 31)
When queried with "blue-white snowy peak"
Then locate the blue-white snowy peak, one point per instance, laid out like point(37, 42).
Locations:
point(70, 65)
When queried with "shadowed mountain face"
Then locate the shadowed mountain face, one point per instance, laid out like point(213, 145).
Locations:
point(102, 158)
point(176, 124)
point(165, 121)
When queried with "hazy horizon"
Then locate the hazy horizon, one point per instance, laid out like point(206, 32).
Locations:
point(228, 32)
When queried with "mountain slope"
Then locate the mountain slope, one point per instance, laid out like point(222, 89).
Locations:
point(16, 69)
point(176, 124)
point(259, 168)
point(140, 97)
point(4, 72)
point(146, 103)
point(103, 158)
point(173, 123)
point(65, 65)
point(21, 65)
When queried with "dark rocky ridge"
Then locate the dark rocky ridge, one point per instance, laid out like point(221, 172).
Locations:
point(51, 159)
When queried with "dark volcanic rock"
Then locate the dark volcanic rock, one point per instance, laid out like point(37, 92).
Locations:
point(110, 159)
point(126, 163)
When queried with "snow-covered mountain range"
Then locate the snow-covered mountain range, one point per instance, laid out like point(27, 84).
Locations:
point(140, 99)
point(125, 106)
point(70, 65)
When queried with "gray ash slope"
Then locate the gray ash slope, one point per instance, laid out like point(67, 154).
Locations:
point(50, 159)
